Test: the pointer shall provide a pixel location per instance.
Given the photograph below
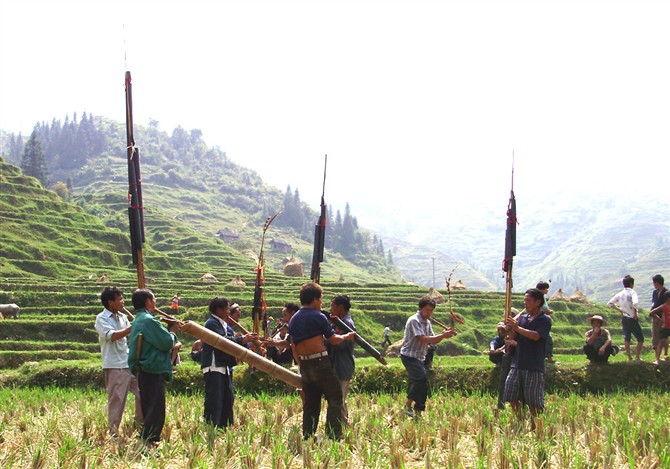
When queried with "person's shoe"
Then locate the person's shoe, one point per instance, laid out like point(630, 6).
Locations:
point(655, 362)
point(408, 411)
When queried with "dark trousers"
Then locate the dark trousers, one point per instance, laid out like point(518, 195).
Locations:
point(592, 353)
point(219, 398)
point(418, 381)
point(152, 396)
point(319, 379)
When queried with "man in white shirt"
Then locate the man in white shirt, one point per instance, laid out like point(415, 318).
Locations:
point(113, 327)
point(626, 303)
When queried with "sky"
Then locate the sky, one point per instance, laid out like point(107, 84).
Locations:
point(419, 105)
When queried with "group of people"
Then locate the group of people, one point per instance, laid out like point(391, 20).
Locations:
point(137, 358)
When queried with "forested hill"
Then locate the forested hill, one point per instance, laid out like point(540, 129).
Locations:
point(193, 185)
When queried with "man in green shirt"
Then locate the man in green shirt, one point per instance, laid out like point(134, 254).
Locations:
point(149, 358)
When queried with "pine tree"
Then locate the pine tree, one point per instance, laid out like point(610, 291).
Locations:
point(33, 162)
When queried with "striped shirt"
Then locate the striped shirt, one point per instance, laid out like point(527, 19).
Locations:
point(411, 346)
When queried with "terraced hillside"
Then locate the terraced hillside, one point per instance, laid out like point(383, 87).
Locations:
point(53, 256)
point(57, 317)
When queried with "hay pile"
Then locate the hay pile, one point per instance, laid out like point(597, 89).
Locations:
point(294, 268)
point(208, 278)
point(559, 296)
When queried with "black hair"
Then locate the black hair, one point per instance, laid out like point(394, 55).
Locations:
point(109, 294)
point(536, 294)
point(628, 281)
point(309, 292)
point(542, 285)
point(658, 278)
point(425, 301)
point(218, 302)
point(140, 297)
point(342, 300)
point(292, 307)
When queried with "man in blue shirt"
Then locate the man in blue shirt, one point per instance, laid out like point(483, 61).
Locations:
point(309, 328)
point(525, 382)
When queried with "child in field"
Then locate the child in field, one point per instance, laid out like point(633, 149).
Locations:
point(663, 312)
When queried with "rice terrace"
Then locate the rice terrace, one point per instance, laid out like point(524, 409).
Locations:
point(57, 256)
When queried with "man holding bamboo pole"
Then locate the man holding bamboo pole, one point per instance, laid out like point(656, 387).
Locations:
point(418, 336)
point(149, 358)
point(217, 366)
point(525, 382)
point(309, 328)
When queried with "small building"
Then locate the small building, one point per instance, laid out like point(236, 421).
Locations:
point(279, 245)
point(227, 235)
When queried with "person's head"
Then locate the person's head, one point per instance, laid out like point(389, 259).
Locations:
point(112, 299)
point(533, 300)
point(543, 287)
point(289, 310)
point(426, 306)
point(235, 311)
point(220, 307)
point(311, 294)
point(596, 321)
point(144, 298)
point(628, 281)
point(340, 305)
point(658, 280)
point(501, 329)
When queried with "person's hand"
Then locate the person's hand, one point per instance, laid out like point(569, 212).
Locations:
point(512, 323)
point(249, 338)
point(601, 350)
point(350, 336)
point(174, 327)
point(450, 332)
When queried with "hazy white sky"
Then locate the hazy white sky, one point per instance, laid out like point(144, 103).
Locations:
point(418, 104)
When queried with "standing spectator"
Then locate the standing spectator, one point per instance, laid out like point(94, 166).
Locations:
point(549, 346)
point(525, 382)
point(497, 345)
point(149, 358)
point(308, 328)
point(418, 336)
point(506, 365)
point(113, 328)
point(663, 311)
point(626, 303)
point(342, 355)
point(656, 301)
point(598, 347)
point(279, 346)
point(174, 306)
point(217, 366)
point(387, 336)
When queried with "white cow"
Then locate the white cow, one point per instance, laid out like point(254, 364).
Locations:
point(10, 310)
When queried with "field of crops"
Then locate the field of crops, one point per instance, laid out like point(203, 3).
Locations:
point(67, 428)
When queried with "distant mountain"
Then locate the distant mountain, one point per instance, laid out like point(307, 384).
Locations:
point(589, 242)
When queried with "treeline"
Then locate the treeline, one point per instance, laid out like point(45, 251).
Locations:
point(343, 234)
point(65, 155)
point(55, 151)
